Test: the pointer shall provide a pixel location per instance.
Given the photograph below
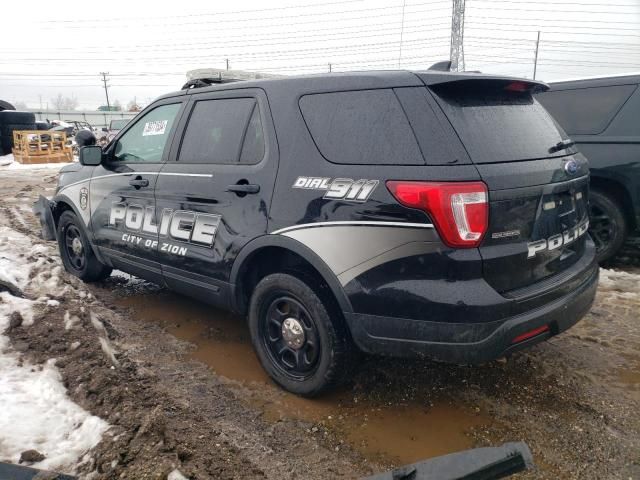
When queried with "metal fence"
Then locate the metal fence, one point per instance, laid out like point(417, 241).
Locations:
point(95, 118)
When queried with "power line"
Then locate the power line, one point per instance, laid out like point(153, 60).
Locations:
point(257, 39)
point(269, 55)
point(554, 31)
point(342, 17)
point(243, 12)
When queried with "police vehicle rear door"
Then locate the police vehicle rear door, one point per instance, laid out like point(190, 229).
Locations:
point(225, 156)
point(122, 199)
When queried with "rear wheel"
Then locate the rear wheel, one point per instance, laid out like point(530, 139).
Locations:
point(607, 225)
point(76, 252)
point(301, 345)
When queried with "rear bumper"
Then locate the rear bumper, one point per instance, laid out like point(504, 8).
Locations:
point(468, 343)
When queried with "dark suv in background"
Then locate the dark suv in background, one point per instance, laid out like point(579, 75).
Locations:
point(602, 115)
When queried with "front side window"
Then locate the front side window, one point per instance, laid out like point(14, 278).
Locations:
point(147, 139)
point(225, 131)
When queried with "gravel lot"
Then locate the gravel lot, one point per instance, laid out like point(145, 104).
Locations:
point(180, 387)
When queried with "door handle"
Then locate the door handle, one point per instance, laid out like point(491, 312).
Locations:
point(243, 188)
point(139, 182)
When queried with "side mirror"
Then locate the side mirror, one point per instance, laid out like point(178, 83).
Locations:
point(91, 155)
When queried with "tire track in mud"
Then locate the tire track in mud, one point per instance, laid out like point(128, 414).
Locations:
point(165, 413)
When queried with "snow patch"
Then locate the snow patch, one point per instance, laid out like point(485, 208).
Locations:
point(35, 411)
point(70, 321)
point(109, 351)
point(176, 475)
point(621, 284)
point(7, 162)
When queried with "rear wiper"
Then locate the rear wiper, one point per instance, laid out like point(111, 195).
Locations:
point(564, 144)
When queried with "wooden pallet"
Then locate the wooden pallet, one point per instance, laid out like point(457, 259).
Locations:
point(41, 146)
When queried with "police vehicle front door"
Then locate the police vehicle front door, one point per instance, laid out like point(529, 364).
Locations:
point(218, 182)
point(122, 201)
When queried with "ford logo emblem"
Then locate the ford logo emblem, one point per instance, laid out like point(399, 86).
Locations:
point(571, 167)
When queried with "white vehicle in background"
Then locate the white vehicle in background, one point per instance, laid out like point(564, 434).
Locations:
point(109, 133)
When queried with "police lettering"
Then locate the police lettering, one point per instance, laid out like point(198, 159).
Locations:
point(181, 225)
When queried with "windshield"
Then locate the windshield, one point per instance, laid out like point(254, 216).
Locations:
point(499, 125)
point(118, 124)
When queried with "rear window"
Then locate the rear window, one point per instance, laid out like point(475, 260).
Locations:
point(586, 111)
point(361, 127)
point(497, 125)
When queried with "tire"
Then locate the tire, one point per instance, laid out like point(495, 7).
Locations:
point(607, 225)
point(8, 117)
point(324, 348)
point(6, 106)
point(6, 133)
point(8, 128)
point(6, 143)
point(89, 269)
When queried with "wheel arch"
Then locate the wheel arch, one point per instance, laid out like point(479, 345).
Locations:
point(619, 193)
point(62, 203)
point(271, 250)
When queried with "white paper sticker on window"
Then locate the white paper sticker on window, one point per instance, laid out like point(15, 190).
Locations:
point(154, 128)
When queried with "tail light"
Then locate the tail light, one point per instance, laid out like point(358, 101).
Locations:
point(459, 210)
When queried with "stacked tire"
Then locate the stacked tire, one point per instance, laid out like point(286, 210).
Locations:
point(11, 120)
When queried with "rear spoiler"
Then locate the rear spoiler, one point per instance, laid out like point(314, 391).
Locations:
point(515, 84)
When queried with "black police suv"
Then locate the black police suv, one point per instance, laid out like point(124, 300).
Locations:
point(602, 115)
point(427, 213)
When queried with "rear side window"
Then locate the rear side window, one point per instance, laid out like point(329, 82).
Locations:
point(586, 111)
point(496, 124)
point(217, 129)
point(361, 127)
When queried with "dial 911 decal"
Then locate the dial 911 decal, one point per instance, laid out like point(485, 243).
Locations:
point(339, 188)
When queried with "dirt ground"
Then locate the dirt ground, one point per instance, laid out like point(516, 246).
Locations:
point(181, 388)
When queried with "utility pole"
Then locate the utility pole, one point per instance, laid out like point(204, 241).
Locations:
point(535, 61)
point(329, 68)
point(456, 54)
point(106, 88)
point(227, 60)
point(404, 4)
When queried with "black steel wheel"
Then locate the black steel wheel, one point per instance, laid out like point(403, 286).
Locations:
point(299, 335)
point(74, 248)
point(291, 337)
point(76, 252)
point(607, 225)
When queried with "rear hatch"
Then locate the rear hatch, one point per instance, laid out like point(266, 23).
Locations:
point(537, 182)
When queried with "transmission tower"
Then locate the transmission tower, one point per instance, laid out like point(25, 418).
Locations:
point(457, 36)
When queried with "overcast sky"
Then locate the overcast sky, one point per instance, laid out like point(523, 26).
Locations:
point(147, 47)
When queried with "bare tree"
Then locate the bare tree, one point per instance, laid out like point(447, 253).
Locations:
point(117, 106)
point(133, 106)
point(65, 103)
point(20, 105)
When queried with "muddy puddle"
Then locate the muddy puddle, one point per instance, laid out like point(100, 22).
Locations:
point(397, 432)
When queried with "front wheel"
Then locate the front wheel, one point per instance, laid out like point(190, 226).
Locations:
point(77, 256)
point(607, 225)
point(300, 344)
